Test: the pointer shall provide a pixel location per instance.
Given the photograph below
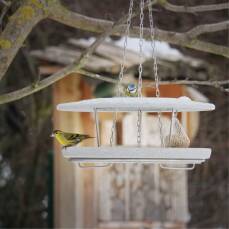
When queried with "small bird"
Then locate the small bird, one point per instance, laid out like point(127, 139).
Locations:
point(131, 90)
point(69, 139)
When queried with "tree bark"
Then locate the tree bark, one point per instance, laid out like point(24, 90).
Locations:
point(18, 28)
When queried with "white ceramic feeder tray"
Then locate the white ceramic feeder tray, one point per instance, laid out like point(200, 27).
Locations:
point(125, 154)
point(128, 104)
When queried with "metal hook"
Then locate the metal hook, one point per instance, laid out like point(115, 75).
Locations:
point(97, 127)
point(97, 138)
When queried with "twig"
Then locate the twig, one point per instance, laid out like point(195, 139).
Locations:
point(214, 83)
point(147, 83)
point(21, 93)
point(79, 21)
point(194, 9)
point(5, 3)
point(207, 28)
point(115, 25)
point(4, 11)
point(97, 76)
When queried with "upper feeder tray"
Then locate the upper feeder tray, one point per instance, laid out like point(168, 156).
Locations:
point(126, 104)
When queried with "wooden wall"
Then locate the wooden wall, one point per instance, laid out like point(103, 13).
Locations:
point(89, 197)
point(73, 186)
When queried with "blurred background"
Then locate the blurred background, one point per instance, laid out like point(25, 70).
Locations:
point(39, 188)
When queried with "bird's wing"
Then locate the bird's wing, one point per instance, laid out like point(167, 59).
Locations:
point(70, 136)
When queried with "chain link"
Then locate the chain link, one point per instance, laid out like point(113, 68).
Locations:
point(155, 66)
point(113, 129)
point(127, 32)
point(139, 128)
point(140, 48)
point(139, 120)
point(119, 87)
point(153, 45)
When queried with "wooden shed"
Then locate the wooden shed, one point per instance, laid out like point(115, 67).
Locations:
point(119, 196)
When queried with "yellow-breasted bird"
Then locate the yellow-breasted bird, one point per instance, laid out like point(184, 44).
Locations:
point(131, 90)
point(69, 139)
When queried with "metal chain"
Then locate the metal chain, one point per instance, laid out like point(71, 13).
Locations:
point(119, 88)
point(139, 121)
point(113, 129)
point(139, 128)
point(127, 32)
point(140, 48)
point(153, 45)
point(155, 66)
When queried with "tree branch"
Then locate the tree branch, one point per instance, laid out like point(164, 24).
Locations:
point(148, 83)
point(5, 3)
point(16, 31)
point(3, 12)
point(64, 16)
point(23, 21)
point(32, 12)
point(79, 63)
point(21, 93)
point(207, 28)
point(193, 9)
point(84, 56)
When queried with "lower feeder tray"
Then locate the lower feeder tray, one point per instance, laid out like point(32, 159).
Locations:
point(125, 154)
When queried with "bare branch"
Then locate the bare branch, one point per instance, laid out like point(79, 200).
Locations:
point(21, 93)
point(207, 28)
point(214, 83)
point(194, 9)
point(32, 12)
point(16, 31)
point(5, 3)
point(79, 21)
point(79, 63)
point(97, 76)
point(23, 21)
point(4, 11)
point(148, 83)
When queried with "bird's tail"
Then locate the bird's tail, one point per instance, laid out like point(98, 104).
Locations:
point(88, 136)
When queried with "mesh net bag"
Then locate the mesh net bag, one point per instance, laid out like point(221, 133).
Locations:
point(177, 136)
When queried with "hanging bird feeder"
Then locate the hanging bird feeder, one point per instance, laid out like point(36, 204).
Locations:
point(173, 152)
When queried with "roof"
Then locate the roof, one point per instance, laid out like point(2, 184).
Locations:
point(106, 58)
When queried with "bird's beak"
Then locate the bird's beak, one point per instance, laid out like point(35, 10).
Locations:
point(52, 135)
